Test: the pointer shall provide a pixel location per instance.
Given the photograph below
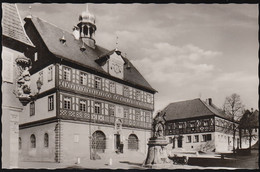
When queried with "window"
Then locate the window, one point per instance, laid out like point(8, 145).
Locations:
point(32, 109)
point(205, 123)
point(50, 72)
point(196, 138)
point(33, 141)
point(126, 92)
point(112, 87)
point(180, 125)
point(111, 110)
point(50, 103)
point(188, 139)
point(20, 143)
point(206, 137)
point(35, 56)
point(76, 138)
point(149, 99)
point(66, 73)
point(83, 78)
point(137, 117)
point(67, 102)
point(147, 117)
point(82, 105)
point(138, 95)
point(192, 124)
point(97, 108)
point(46, 140)
point(126, 113)
point(97, 82)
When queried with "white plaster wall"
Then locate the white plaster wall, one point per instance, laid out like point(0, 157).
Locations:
point(47, 85)
point(41, 110)
point(40, 153)
point(72, 150)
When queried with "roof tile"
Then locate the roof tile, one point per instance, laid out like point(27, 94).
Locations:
point(12, 25)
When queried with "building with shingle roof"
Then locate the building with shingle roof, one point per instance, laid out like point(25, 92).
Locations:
point(198, 125)
point(90, 101)
point(15, 43)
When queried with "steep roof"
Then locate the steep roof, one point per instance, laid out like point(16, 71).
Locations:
point(12, 25)
point(190, 109)
point(51, 35)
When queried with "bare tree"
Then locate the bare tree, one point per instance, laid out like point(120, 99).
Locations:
point(234, 107)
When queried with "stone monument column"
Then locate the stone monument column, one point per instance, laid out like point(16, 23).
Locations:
point(157, 154)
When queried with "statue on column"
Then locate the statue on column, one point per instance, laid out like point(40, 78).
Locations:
point(157, 153)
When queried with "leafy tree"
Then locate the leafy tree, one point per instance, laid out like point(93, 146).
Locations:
point(249, 122)
point(234, 107)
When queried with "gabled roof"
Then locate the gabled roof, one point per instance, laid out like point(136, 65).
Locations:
point(51, 34)
point(192, 109)
point(12, 25)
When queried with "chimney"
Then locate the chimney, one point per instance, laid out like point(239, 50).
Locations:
point(210, 101)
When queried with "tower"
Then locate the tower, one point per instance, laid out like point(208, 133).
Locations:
point(87, 28)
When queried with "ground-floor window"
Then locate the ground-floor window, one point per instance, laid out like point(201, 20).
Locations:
point(133, 142)
point(20, 143)
point(206, 137)
point(33, 141)
point(99, 141)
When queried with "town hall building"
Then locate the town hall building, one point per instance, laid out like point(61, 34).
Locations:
point(85, 101)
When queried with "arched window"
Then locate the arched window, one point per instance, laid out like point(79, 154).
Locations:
point(133, 142)
point(85, 30)
point(46, 140)
point(20, 143)
point(33, 141)
point(99, 141)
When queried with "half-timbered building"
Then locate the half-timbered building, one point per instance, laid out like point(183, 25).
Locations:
point(87, 99)
point(196, 125)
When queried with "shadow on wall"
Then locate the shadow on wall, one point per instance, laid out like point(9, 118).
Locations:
point(209, 146)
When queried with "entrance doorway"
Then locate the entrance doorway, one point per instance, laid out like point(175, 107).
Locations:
point(117, 141)
point(99, 141)
point(180, 142)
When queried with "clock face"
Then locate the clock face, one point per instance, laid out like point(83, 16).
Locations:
point(117, 68)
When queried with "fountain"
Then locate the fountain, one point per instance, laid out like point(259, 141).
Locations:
point(157, 153)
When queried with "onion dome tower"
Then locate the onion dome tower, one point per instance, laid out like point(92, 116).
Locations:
point(87, 28)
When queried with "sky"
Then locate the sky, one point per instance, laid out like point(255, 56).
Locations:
point(185, 51)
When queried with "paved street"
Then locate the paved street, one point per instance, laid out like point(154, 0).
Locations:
point(131, 160)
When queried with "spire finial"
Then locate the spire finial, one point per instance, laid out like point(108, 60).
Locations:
point(116, 41)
